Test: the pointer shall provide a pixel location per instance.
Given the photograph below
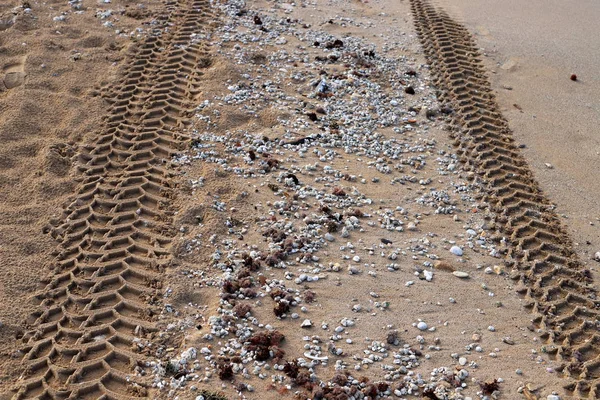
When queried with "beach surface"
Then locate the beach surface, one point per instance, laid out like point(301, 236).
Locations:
point(334, 199)
point(531, 50)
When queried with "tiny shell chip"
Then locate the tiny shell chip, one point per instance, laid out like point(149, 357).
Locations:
point(460, 274)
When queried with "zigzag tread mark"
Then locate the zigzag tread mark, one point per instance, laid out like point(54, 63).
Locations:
point(553, 280)
point(115, 235)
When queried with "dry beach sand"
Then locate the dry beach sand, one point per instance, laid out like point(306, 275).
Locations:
point(219, 200)
point(531, 50)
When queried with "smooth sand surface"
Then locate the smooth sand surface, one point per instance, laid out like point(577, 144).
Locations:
point(533, 47)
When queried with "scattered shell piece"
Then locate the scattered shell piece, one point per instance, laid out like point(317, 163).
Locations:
point(428, 275)
point(306, 324)
point(315, 358)
point(460, 274)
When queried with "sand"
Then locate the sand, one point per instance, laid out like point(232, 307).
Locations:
point(533, 48)
point(147, 286)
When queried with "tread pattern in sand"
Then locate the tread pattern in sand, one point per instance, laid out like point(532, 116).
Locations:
point(115, 235)
point(555, 283)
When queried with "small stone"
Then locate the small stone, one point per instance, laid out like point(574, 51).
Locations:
point(457, 251)
point(597, 256)
point(428, 275)
point(356, 259)
point(443, 266)
point(498, 270)
point(329, 237)
point(460, 274)
point(462, 361)
point(553, 397)
point(508, 340)
point(422, 326)
point(476, 337)
point(306, 324)
point(491, 328)
point(519, 371)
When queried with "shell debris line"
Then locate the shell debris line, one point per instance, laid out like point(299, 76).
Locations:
point(328, 226)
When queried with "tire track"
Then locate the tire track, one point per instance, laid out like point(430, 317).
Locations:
point(554, 282)
point(114, 237)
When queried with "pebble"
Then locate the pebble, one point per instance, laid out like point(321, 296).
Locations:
point(352, 270)
point(329, 237)
point(462, 361)
point(443, 266)
point(491, 328)
point(422, 326)
point(457, 251)
point(597, 256)
point(553, 397)
point(460, 274)
point(306, 324)
point(428, 275)
point(356, 259)
point(508, 341)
